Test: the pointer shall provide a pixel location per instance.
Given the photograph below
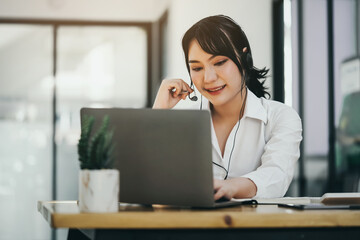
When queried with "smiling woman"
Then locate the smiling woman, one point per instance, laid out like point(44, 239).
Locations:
point(207, 68)
point(255, 140)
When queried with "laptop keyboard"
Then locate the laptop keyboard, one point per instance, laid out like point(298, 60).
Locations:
point(223, 199)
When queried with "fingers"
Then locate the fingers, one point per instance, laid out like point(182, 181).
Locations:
point(219, 194)
point(171, 91)
point(178, 87)
point(223, 189)
point(189, 89)
point(175, 88)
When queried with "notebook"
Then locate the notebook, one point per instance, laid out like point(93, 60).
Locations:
point(164, 156)
point(345, 200)
point(319, 206)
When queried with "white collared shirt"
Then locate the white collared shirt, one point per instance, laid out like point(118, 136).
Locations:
point(264, 149)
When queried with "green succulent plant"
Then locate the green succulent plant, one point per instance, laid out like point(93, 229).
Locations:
point(95, 150)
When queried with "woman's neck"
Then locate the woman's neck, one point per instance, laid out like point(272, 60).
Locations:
point(233, 109)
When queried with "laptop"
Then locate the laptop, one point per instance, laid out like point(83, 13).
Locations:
point(164, 156)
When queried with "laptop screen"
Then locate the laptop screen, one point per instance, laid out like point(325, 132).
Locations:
point(164, 156)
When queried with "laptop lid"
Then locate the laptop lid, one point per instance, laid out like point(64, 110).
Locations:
point(164, 156)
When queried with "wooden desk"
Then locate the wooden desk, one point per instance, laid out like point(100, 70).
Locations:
point(243, 222)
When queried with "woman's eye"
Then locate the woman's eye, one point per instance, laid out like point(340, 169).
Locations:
point(221, 62)
point(197, 69)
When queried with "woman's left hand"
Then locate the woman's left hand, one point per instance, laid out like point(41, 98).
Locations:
point(234, 188)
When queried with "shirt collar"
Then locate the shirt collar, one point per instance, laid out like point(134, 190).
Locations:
point(253, 107)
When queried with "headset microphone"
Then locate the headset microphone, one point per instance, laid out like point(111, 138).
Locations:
point(194, 98)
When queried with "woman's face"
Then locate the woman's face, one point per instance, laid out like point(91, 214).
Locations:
point(216, 77)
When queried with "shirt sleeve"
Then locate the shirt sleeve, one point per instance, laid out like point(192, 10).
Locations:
point(273, 177)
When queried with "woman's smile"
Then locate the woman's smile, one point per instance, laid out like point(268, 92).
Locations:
point(215, 90)
point(217, 77)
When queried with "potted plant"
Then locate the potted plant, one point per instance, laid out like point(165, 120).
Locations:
point(98, 182)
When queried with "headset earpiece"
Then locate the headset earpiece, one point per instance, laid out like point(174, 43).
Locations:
point(249, 59)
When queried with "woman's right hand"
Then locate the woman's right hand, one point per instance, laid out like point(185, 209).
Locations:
point(171, 91)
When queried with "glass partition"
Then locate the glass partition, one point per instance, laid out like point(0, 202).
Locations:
point(100, 66)
point(96, 67)
point(26, 88)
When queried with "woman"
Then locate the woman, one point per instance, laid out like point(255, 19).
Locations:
point(255, 140)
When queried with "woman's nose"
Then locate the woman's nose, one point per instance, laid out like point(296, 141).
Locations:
point(210, 75)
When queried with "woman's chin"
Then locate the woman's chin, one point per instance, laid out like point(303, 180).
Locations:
point(217, 101)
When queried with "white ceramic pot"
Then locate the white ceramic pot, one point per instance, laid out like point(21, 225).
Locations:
point(99, 190)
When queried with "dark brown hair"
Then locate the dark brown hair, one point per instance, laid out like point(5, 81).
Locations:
point(220, 35)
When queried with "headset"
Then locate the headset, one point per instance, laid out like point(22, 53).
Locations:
point(194, 98)
point(248, 58)
point(233, 145)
